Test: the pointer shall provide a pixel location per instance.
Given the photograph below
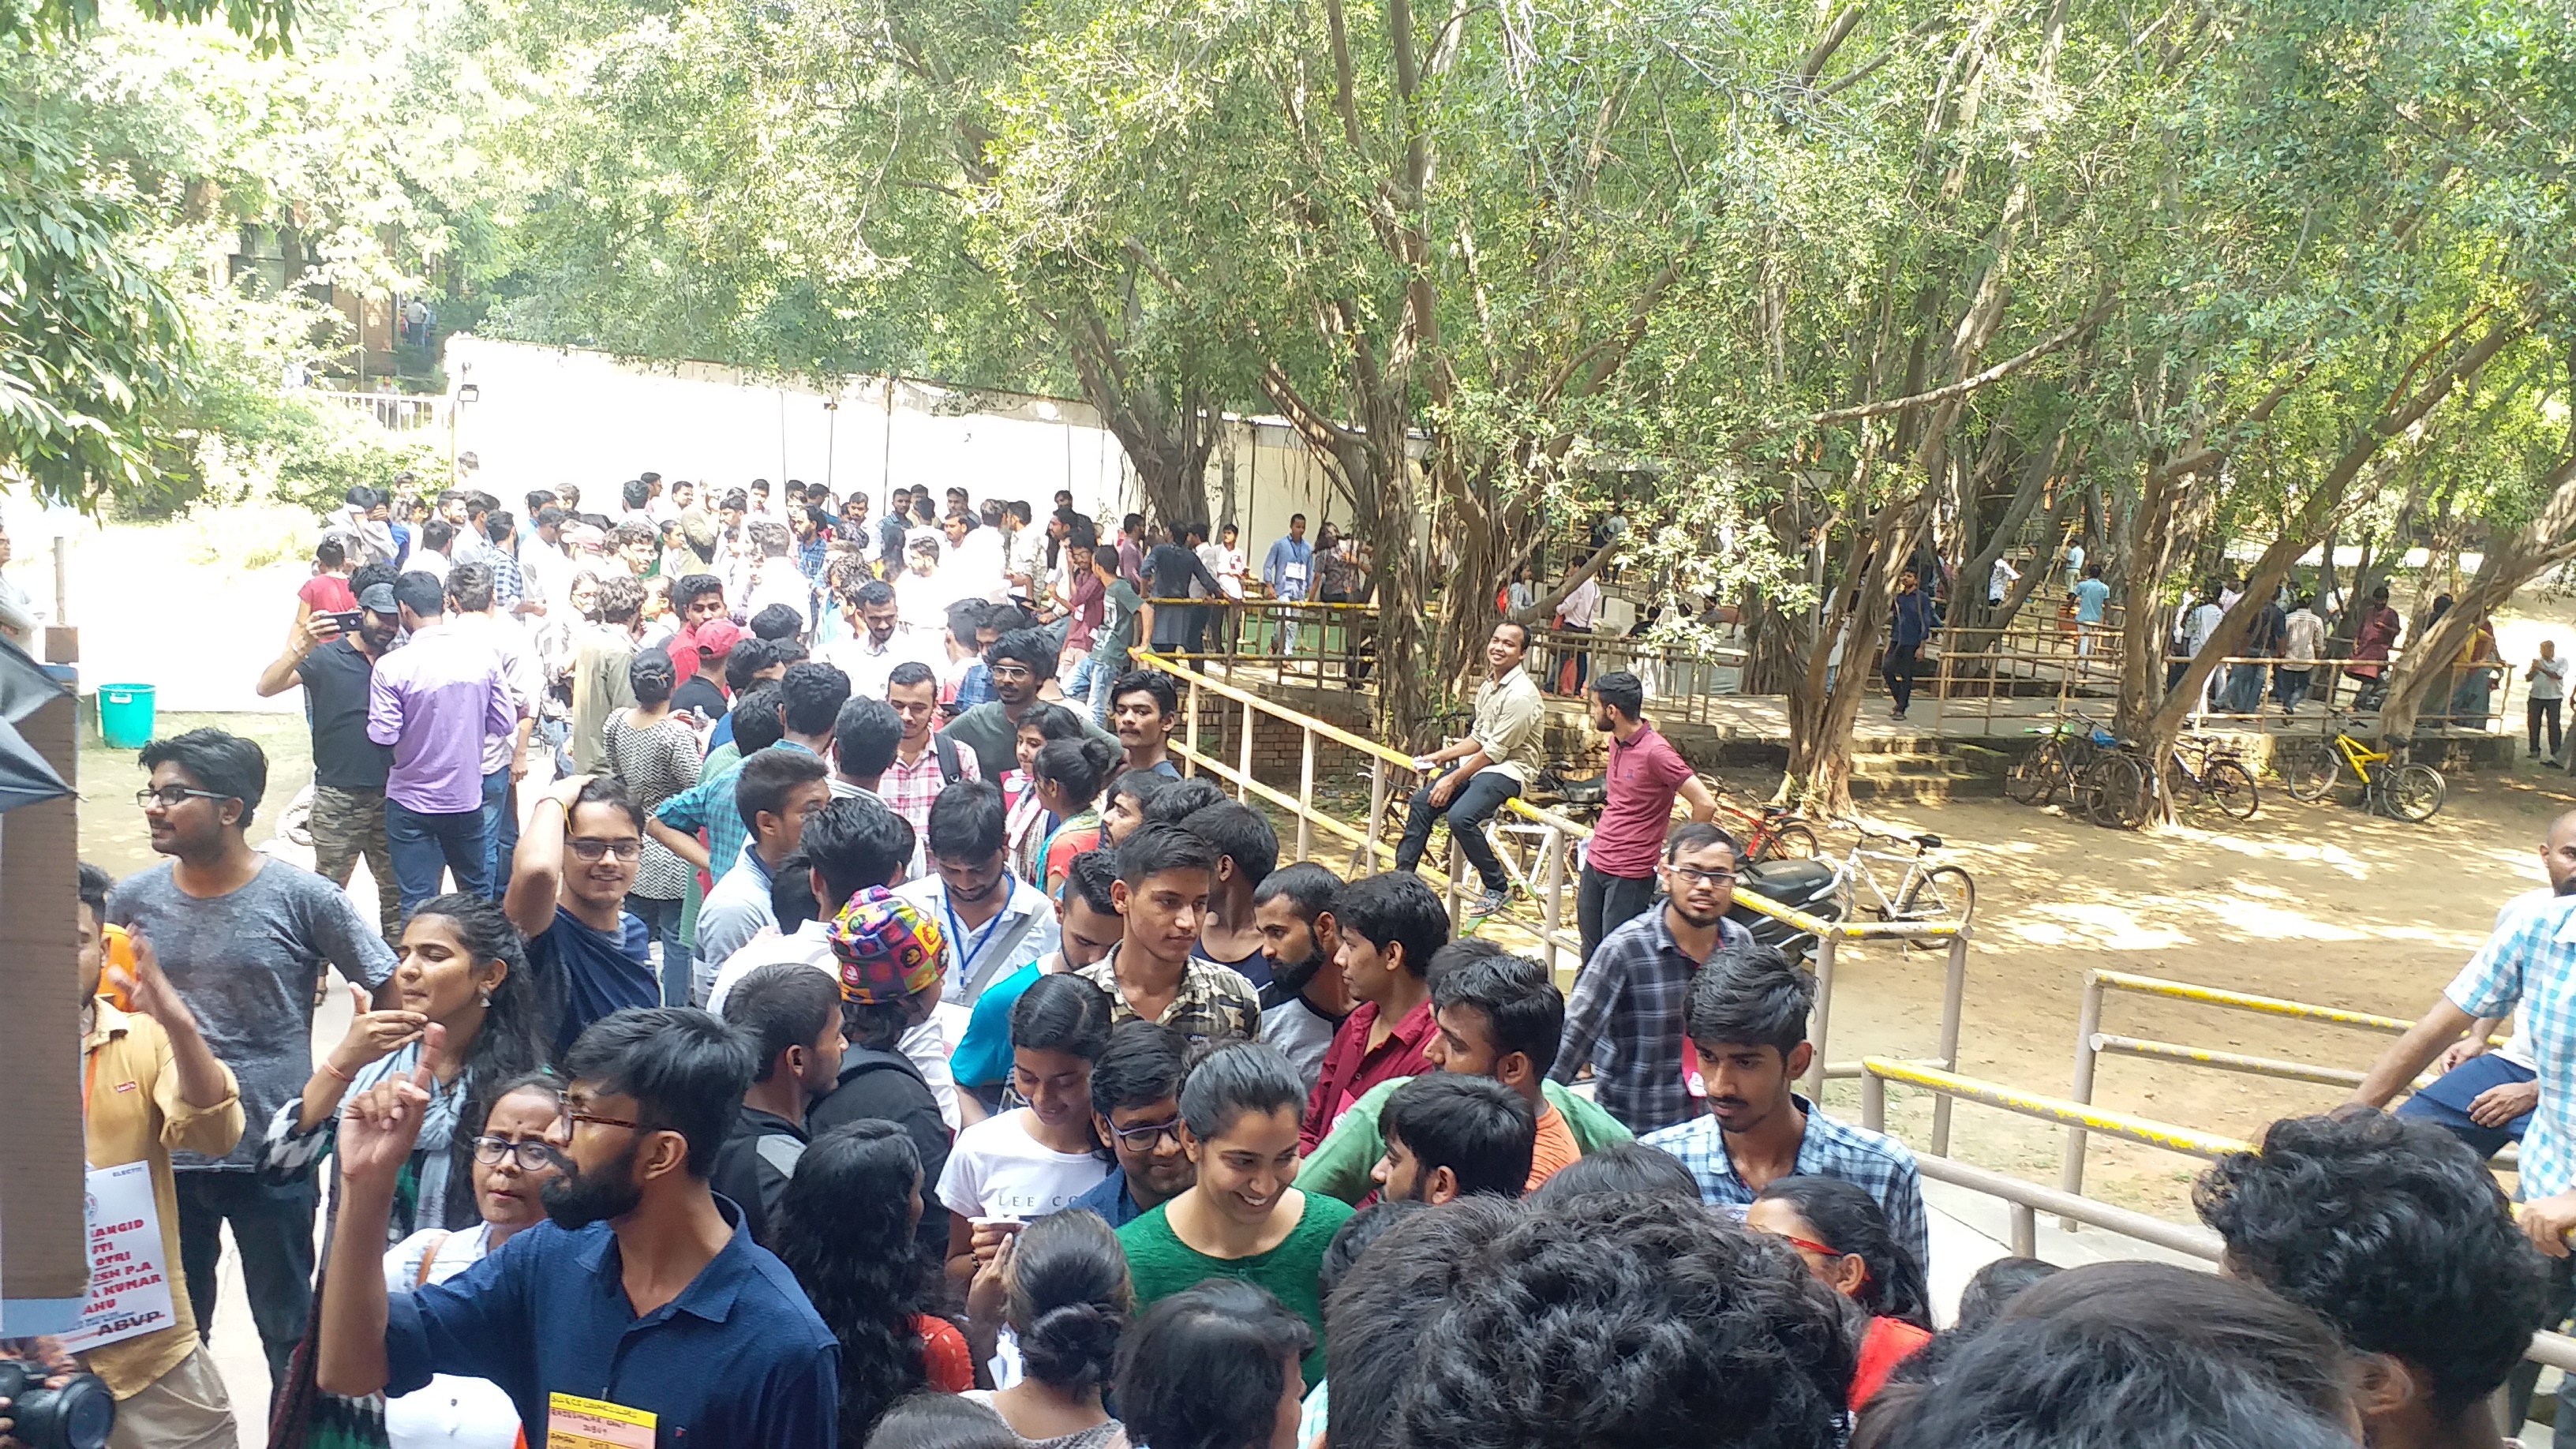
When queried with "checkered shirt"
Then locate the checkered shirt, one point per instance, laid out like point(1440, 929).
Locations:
point(2530, 961)
point(1625, 1020)
point(1866, 1159)
point(910, 789)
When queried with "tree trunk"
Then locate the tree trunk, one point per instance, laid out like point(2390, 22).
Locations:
point(2510, 562)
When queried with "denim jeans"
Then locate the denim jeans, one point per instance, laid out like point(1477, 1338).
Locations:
point(426, 845)
point(2244, 689)
point(273, 1229)
point(500, 832)
point(1604, 903)
point(662, 918)
point(1897, 670)
point(1468, 810)
point(1102, 673)
point(2289, 687)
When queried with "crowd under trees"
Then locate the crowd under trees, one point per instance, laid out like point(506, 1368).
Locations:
point(1822, 289)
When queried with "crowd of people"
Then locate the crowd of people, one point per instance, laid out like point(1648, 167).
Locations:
point(865, 1034)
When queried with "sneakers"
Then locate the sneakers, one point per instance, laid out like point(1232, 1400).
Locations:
point(1485, 905)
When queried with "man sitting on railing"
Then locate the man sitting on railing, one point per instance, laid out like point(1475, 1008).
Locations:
point(1748, 1035)
point(1493, 763)
point(2396, 1236)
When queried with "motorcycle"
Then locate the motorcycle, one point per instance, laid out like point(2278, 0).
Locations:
point(1806, 885)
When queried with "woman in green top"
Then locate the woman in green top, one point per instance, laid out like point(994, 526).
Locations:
point(1242, 1218)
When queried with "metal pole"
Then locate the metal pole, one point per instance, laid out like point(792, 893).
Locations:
point(1306, 794)
point(1824, 1017)
point(1243, 762)
point(2025, 1230)
point(1873, 1101)
point(1364, 859)
point(1457, 868)
point(1952, 992)
point(2088, 1020)
point(1552, 896)
point(1191, 726)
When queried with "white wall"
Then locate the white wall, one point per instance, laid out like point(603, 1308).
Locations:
point(544, 416)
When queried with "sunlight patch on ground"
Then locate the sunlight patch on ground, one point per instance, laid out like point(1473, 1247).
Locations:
point(2104, 927)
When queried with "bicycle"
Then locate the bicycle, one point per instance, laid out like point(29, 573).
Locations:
point(2220, 779)
point(1927, 892)
point(1770, 832)
point(2059, 761)
point(2402, 788)
point(2122, 794)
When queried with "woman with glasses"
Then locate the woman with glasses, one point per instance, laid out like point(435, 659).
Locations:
point(656, 757)
point(1842, 1234)
point(512, 1165)
point(464, 970)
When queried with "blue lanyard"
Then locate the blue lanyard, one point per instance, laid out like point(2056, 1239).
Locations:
point(968, 948)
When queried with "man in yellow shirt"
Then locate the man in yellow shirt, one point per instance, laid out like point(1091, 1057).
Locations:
point(153, 1085)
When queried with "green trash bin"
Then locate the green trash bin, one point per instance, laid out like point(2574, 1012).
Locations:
point(125, 715)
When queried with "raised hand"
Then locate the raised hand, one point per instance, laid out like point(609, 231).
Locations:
point(379, 1126)
point(147, 991)
point(372, 1034)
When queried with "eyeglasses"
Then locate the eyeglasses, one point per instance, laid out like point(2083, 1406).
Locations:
point(533, 1156)
point(591, 852)
point(1012, 671)
point(171, 797)
point(1808, 1245)
point(577, 1117)
point(1145, 1136)
point(1697, 876)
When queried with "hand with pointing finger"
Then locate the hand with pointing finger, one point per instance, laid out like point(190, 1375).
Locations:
point(379, 1126)
point(373, 1035)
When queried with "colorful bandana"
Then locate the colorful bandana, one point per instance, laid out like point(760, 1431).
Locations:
point(887, 949)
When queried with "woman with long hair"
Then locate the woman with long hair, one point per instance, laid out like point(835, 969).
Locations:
point(1842, 1234)
point(1061, 1285)
point(1069, 775)
point(845, 1229)
point(656, 756)
point(1028, 822)
point(464, 969)
point(1036, 1159)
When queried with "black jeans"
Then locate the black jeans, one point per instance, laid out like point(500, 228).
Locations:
point(1898, 672)
point(1468, 810)
point(2526, 1374)
point(273, 1229)
point(1604, 903)
point(2537, 710)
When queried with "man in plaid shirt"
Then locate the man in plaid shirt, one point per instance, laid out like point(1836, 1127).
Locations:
point(924, 763)
point(1748, 1034)
point(1631, 994)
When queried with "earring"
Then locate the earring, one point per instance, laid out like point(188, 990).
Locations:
point(486, 1000)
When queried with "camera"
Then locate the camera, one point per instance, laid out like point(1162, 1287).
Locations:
point(75, 1416)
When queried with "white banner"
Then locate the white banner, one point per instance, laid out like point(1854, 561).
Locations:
point(129, 1285)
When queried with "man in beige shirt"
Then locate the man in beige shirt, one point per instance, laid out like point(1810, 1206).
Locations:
point(1493, 763)
point(153, 1085)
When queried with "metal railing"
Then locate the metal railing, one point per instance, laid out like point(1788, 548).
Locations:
point(2092, 1043)
point(1679, 682)
point(1292, 640)
point(394, 411)
point(2026, 1200)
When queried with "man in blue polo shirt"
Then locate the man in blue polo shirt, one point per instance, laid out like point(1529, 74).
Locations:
point(642, 1312)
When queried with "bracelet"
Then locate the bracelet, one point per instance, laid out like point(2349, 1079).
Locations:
point(345, 1078)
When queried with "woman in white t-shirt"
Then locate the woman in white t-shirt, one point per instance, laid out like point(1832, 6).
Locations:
point(511, 1164)
point(1033, 1160)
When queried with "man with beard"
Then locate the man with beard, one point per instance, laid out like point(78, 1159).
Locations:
point(1748, 1036)
point(1306, 999)
point(997, 923)
point(873, 642)
point(1021, 661)
point(571, 1321)
point(1136, 1109)
point(1632, 993)
point(336, 666)
point(1645, 774)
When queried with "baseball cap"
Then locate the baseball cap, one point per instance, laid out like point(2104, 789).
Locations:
point(378, 599)
point(717, 636)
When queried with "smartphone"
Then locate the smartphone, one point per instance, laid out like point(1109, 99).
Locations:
point(347, 620)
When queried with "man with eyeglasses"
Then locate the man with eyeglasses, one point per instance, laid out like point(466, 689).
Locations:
point(242, 938)
point(568, 883)
point(1021, 661)
point(642, 1312)
point(1136, 1109)
point(1631, 995)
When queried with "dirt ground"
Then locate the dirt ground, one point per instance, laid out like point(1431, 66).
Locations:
point(2317, 903)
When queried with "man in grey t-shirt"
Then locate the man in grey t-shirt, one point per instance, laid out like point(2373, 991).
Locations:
point(243, 938)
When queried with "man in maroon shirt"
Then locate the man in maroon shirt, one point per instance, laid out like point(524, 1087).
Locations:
point(1645, 773)
point(1390, 926)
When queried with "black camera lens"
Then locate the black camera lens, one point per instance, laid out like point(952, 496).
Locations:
point(76, 1416)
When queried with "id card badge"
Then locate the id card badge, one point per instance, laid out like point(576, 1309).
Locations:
point(578, 1423)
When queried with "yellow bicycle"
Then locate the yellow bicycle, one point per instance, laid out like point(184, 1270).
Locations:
point(2397, 786)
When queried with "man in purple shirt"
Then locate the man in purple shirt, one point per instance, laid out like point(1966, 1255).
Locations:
point(433, 700)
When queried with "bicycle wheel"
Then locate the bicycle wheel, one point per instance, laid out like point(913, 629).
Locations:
point(2118, 797)
point(2034, 778)
point(2312, 773)
point(1791, 841)
point(2230, 786)
point(1943, 893)
point(2414, 793)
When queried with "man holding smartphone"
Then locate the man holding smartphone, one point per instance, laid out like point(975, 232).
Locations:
point(333, 655)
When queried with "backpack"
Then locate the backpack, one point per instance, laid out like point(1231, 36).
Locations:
point(946, 750)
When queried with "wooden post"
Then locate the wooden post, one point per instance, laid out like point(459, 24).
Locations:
point(1243, 758)
point(44, 1258)
point(1306, 795)
point(1191, 724)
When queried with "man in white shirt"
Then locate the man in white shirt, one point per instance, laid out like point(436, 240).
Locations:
point(772, 576)
point(2002, 579)
point(994, 922)
point(1491, 765)
point(875, 643)
point(1575, 614)
point(2548, 679)
point(1024, 555)
point(2204, 622)
point(2303, 639)
point(973, 562)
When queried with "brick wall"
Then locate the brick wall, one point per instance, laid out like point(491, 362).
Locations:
point(1278, 745)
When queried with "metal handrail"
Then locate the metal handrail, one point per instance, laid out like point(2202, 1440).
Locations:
point(2146, 1130)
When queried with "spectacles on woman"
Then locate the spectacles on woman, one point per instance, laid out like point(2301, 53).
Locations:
point(532, 1155)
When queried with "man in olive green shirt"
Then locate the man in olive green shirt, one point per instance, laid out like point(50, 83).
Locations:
point(1498, 1016)
point(1493, 763)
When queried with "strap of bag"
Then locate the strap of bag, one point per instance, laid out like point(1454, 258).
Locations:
point(428, 1256)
